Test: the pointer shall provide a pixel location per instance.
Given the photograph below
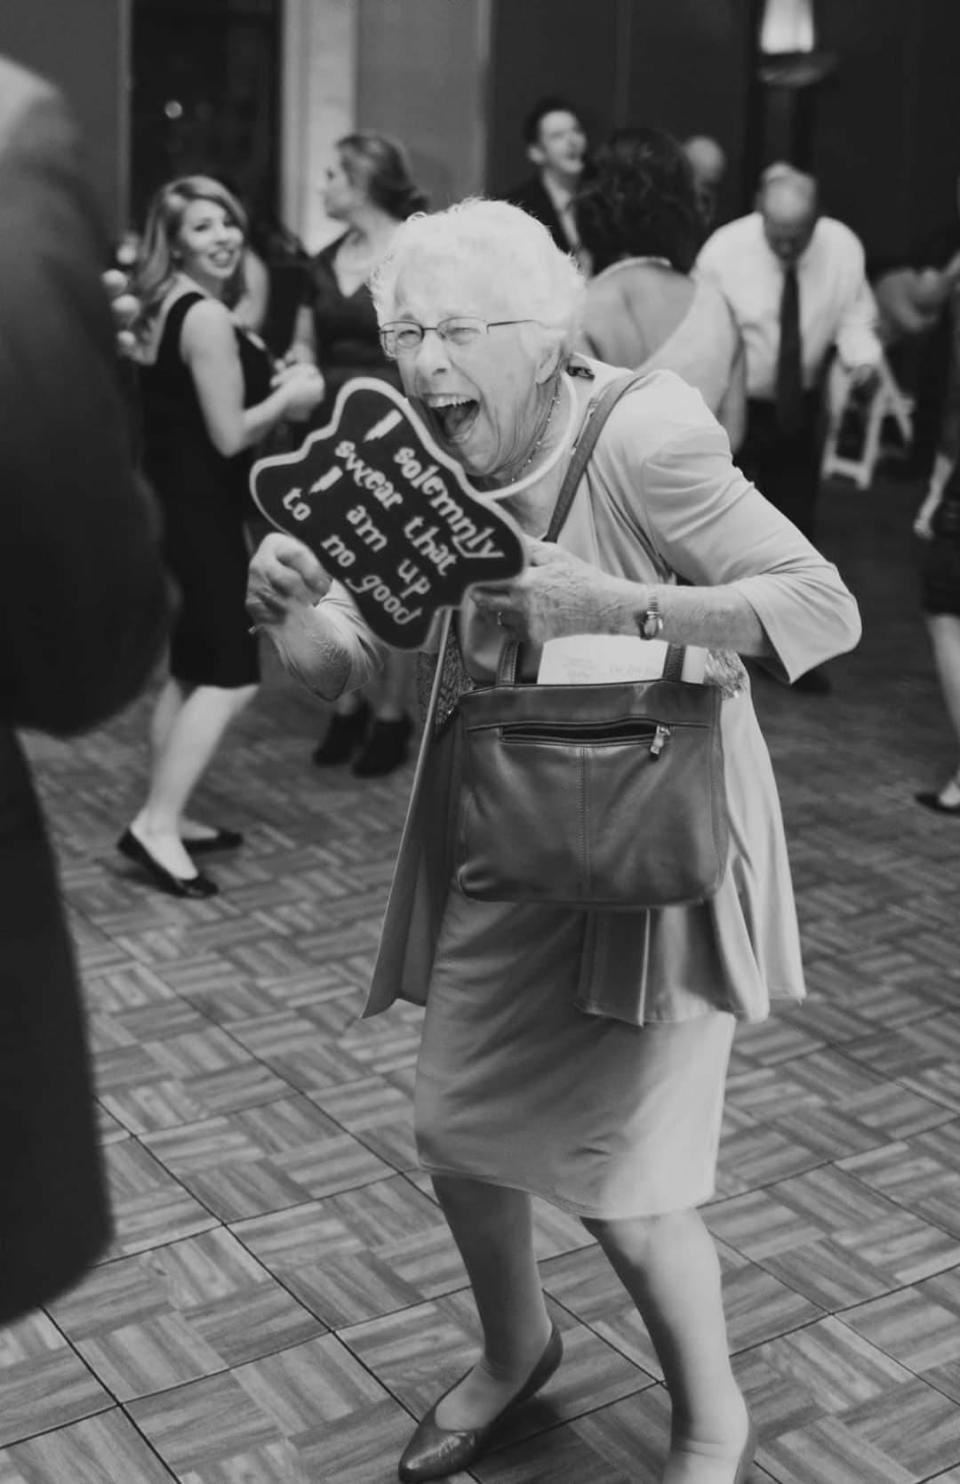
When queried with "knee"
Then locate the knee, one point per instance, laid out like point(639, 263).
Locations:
point(637, 1234)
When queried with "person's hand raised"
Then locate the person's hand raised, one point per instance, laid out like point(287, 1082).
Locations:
point(124, 306)
point(303, 386)
point(284, 577)
point(556, 594)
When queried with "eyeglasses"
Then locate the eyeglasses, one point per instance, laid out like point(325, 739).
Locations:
point(404, 335)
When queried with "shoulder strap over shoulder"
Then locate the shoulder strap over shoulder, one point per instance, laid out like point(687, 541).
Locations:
point(591, 428)
point(597, 413)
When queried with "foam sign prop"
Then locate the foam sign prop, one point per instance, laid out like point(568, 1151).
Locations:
point(387, 513)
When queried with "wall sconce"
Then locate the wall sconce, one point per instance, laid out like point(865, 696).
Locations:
point(787, 45)
point(787, 26)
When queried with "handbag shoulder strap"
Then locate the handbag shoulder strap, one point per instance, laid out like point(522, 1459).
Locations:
point(597, 414)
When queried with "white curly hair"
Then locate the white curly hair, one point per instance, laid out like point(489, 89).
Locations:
point(510, 249)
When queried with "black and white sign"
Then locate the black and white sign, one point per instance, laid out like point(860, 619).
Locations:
point(388, 514)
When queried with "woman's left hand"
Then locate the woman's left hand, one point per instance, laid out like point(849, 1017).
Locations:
point(554, 595)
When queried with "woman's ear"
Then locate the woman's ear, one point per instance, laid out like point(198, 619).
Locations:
point(549, 359)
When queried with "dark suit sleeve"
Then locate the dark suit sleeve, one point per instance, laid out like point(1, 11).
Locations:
point(83, 596)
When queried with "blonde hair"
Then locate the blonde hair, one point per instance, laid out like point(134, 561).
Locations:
point(513, 251)
point(157, 264)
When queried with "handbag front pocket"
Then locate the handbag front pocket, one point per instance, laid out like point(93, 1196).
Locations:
point(617, 811)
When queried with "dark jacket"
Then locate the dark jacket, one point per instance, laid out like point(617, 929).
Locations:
point(83, 613)
point(533, 197)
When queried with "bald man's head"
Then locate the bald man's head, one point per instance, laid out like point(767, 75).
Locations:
point(707, 160)
point(788, 204)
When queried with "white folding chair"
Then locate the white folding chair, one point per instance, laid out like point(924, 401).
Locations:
point(887, 400)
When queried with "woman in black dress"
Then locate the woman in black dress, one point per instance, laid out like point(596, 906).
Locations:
point(938, 522)
point(370, 190)
point(209, 395)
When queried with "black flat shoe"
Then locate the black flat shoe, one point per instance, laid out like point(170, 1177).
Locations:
point(436, 1452)
point(934, 802)
point(386, 748)
point(178, 886)
point(344, 735)
point(222, 840)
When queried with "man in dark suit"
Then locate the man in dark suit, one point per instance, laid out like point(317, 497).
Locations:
point(83, 612)
point(557, 145)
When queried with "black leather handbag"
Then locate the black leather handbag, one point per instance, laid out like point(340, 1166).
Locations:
point(607, 796)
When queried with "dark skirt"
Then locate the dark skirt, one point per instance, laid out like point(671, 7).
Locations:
point(207, 553)
point(940, 569)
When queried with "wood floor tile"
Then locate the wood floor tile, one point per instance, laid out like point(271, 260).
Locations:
point(46, 1392)
point(149, 1206)
point(624, 1443)
point(191, 1309)
point(100, 1450)
point(828, 1453)
point(269, 1421)
point(376, 1113)
point(360, 1254)
point(265, 1158)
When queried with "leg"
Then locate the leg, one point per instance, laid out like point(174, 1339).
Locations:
point(944, 630)
point(191, 742)
point(388, 741)
point(492, 1228)
point(669, 1267)
point(394, 687)
point(166, 709)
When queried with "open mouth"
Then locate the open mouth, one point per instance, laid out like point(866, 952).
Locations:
point(452, 417)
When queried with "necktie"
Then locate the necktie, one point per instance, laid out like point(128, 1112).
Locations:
point(789, 395)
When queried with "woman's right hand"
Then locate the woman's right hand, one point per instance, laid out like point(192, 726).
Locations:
point(303, 388)
point(284, 576)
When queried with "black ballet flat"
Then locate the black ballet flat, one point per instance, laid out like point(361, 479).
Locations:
point(222, 840)
point(344, 736)
point(934, 802)
point(178, 886)
point(436, 1452)
point(386, 748)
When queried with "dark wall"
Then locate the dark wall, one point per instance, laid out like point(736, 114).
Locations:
point(886, 141)
point(79, 46)
point(888, 120)
point(678, 64)
point(569, 47)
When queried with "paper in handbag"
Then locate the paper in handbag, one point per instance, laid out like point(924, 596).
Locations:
point(387, 513)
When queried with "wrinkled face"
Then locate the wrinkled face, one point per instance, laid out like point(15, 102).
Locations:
point(479, 400)
point(561, 144)
point(788, 231)
point(340, 196)
point(209, 244)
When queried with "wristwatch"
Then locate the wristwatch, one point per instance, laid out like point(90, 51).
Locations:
point(650, 621)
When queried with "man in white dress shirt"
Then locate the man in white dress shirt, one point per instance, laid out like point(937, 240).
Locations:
point(797, 285)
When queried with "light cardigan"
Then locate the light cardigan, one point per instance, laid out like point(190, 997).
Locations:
point(662, 461)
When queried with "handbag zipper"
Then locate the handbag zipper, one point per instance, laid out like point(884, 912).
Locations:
point(628, 730)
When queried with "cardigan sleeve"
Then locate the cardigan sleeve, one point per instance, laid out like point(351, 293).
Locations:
point(713, 526)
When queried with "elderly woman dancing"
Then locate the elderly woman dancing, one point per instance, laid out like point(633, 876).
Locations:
point(579, 1056)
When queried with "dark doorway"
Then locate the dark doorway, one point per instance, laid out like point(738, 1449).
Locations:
point(205, 97)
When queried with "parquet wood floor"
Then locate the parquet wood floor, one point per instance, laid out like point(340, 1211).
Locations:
point(282, 1297)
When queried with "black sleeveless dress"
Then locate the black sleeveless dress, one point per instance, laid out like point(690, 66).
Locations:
point(940, 569)
point(205, 501)
point(346, 330)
